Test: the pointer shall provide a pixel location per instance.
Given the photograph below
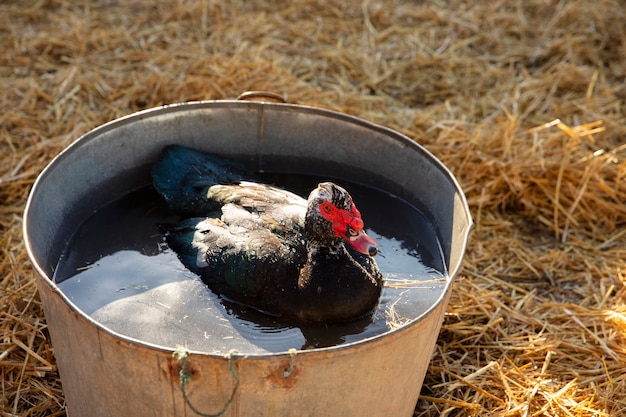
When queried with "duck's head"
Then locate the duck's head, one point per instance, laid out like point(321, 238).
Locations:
point(332, 215)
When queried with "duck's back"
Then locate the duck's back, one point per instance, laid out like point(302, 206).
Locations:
point(248, 248)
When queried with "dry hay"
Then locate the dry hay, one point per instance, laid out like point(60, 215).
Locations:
point(524, 101)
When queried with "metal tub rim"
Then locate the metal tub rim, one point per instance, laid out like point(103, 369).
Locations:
point(257, 105)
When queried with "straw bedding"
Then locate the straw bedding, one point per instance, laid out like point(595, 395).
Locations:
point(523, 100)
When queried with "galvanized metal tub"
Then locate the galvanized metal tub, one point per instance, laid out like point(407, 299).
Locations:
point(106, 374)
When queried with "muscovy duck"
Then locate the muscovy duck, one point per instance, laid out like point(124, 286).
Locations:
point(262, 246)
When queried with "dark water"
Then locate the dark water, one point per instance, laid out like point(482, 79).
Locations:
point(118, 269)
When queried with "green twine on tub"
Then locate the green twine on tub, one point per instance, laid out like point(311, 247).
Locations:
point(182, 354)
point(292, 362)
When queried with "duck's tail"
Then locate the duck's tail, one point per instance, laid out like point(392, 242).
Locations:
point(183, 175)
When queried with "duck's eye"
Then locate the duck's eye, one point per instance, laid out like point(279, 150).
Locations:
point(326, 208)
point(351, 232)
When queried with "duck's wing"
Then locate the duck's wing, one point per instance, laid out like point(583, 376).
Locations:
point(239, 253)
point(277, 209)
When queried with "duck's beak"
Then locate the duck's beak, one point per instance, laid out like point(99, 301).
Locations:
point(360, 241)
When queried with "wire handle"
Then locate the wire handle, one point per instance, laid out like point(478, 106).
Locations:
point(182, 354)
point(254, 95)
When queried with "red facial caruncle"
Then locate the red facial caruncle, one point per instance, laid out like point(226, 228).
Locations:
point(349, 225)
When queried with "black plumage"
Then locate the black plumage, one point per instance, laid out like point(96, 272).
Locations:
point(308, 260)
